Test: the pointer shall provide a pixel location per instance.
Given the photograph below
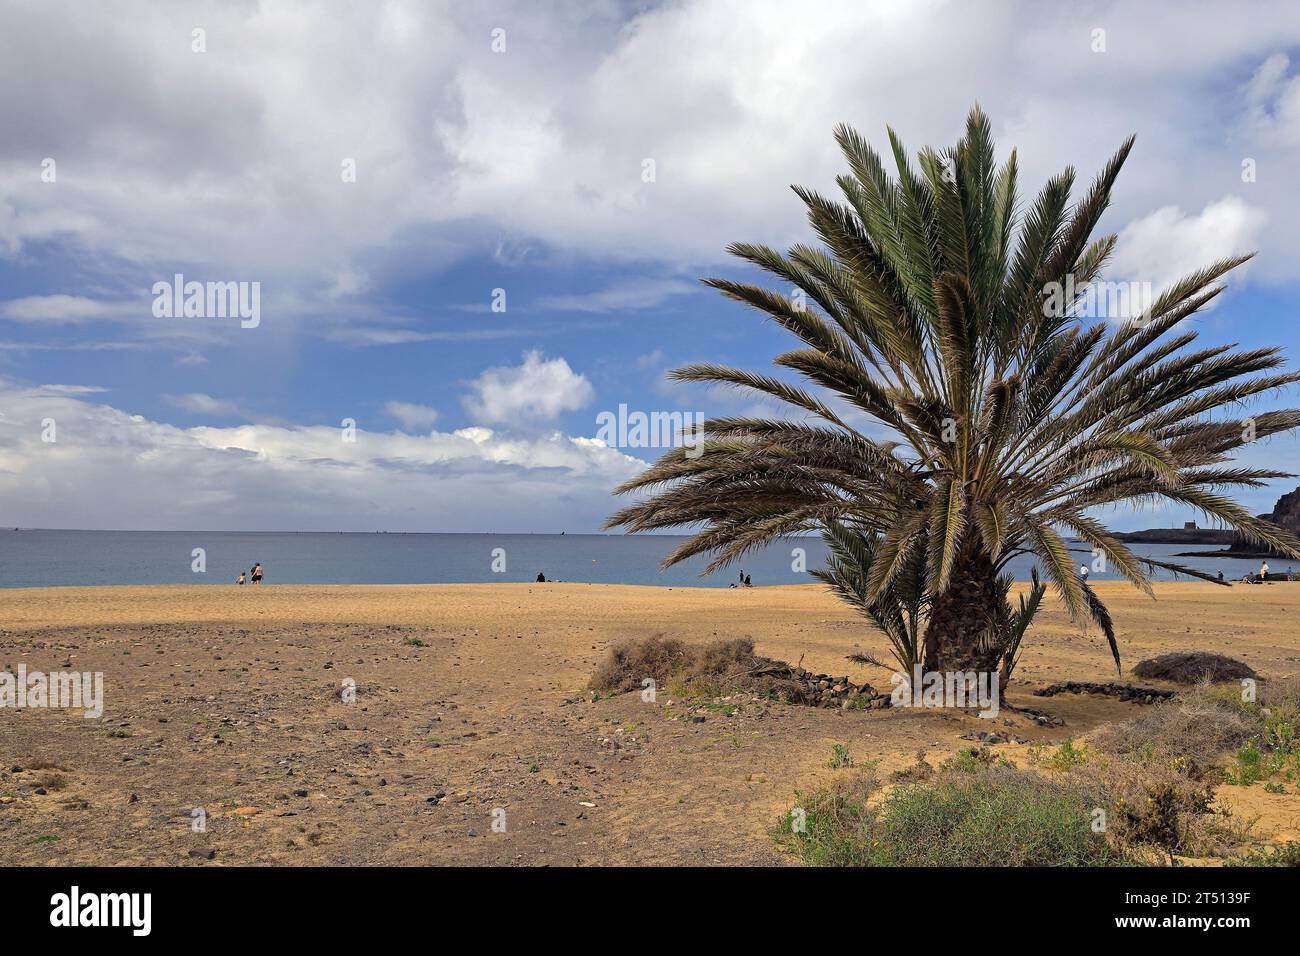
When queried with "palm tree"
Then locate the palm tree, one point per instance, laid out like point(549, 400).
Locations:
point(954, 409)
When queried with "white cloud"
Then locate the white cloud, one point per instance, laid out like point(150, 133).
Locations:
point(69, 389)
point(203, 404)
point(455, 146)
point(107, 466)
point(629, 294)
point(650, 359)
point(411, 415)
point(1168, 244)
point(59, 308)
point(539, 390)
point(1273, 100)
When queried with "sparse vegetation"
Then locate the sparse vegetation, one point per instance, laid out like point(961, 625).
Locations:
point(840, 757)
point(49, 781)
point(987, 816)
point(1198, 726)
point(1065, 757)
point(1142, 792)
point(1288, 854)
point(704, 671)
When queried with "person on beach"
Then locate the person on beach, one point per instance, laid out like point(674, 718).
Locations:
point(541, 578)
point(257, 572)
point(748, 582)
point(1263, 572)
point(241, 578)
point(1083, 572)
point(1220, 574)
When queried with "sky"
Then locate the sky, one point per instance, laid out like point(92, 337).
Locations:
point(474, 228)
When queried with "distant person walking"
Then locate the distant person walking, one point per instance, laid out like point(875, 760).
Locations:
point(256, 574)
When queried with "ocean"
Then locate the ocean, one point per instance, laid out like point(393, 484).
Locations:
point(43, 558)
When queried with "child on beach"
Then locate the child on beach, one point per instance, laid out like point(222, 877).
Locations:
point(241, 578)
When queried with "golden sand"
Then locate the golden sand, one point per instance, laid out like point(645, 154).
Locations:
point(470, 700)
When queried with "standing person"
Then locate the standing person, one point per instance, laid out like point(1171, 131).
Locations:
point(1263, 571)
point(257, 572)
point(742, 576)
point(1083, 572)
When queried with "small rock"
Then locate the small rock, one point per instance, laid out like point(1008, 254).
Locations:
point(203, 854)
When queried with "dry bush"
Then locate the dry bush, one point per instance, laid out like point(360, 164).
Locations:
point(1154, 803)
point(49, 781)
point(630, 662)
point(1281, 692)
point(40, 763)
point(1193, 667)
point(1197, 727)
point(713, 669)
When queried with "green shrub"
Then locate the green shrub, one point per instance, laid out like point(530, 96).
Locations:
point(989, 816)
point(1286, 855)
point(839, 757)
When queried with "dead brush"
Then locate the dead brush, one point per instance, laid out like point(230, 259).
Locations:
point(703, 670)
point(1198, 727)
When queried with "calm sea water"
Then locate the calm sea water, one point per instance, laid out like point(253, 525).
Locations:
point(53, 558)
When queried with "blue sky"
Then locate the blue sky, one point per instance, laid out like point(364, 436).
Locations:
point(523, 168)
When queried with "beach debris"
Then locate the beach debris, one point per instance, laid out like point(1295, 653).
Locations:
point(203, 854)
point(247, 811)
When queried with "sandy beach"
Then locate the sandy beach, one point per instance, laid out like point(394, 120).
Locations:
point(471, 700)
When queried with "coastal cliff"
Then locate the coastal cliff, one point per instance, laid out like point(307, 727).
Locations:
point(1285, 514)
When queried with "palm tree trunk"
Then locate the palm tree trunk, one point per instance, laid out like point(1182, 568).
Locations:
point(957, 635)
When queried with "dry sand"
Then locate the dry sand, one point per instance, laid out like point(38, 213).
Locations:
point(470, 700)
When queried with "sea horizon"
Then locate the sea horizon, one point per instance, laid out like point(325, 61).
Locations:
point(59, 557)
